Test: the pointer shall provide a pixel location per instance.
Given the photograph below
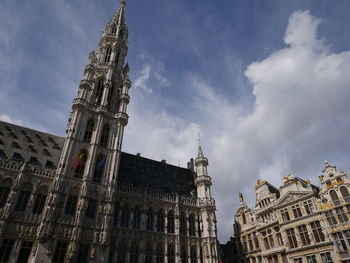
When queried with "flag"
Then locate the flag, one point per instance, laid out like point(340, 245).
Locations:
point(219, 258)
point(81, 156)
point(102, 162)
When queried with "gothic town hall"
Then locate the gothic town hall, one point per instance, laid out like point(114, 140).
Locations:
point(81, 199)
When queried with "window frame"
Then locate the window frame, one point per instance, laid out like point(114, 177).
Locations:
point(285, 214)
point(317, 231)
point(39, 203)
point(292, 240)
point(296, 211)
point(22, 201)
point(60, 252)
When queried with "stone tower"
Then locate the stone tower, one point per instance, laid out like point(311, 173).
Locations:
point(206, 207)
point(87, 172)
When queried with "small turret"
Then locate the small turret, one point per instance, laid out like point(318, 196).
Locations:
point(202, 180)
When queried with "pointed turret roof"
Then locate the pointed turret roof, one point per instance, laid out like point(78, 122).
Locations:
point(201, 159)
point(200, 152)
point(120, 14)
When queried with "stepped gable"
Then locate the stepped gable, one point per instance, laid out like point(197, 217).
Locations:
point(144, 172)
point(23, 144)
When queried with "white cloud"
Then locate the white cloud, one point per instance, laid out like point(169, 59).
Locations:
point(144, 76)
point(298, 90)
point(300, 117)
point(152, 130)
point(9, 119)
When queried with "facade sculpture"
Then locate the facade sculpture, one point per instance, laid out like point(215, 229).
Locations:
point(297, 222)
point(81, 199)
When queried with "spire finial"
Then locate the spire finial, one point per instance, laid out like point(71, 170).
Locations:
point(200, 151)
point(241, 200)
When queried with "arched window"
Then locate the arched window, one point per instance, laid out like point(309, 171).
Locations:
point(40, 200)
point(184, 258)
point(193, 255)
point(114, 30)
point(5, 187)
point(121, 33)
point(24, 196)
point(136, 219)
point(192, 225)
point(80, 164)
point(345, 193)
point(171, 254)
point(99, 168)
point(125, 217)
point(108, 55)
point(159, 254)
point(121, 256)
point(201, 255)
point(71, 202)
point(88, 130)
point(99, 92)
point(244, 219)
point(134, 253)
point(171, 223)
point(206, 251)
point(183, 225)
point(116, 214)
point(149, 254)
point(160, 222)
point(334, 197)
point(150, 219)
point(104, 135)
point(91, 208)
point(109, 97)
point(117, 58)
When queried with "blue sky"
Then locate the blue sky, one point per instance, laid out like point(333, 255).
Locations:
point(265, 82)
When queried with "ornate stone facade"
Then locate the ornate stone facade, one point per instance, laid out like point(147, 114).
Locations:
point(297, 222)
point(81, 199)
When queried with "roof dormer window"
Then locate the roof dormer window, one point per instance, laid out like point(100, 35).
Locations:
point(16, 145)
point(17, 157)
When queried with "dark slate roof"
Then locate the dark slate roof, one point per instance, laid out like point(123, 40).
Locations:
point(141, 171)
point(24, 144)
point(273, 190)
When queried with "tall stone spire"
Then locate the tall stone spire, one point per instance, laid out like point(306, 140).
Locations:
point(119, 15)
point(90, 156)
point(205, 202)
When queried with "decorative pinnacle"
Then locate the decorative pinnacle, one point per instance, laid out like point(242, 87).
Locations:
point(200, 151)
point(121, 9)
point(241, 200)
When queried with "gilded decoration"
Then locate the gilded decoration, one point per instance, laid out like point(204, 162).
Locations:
point(326, 206)
point(340, 228)
point(329, 185)
point(288, 178)
point(275, 217)
point(259, 182)
point(341, 181)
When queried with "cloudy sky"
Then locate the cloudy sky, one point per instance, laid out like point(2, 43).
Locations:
point(265, 82)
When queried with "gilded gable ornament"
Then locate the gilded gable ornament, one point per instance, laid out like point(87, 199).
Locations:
point(259, 182)
point(288, 178)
